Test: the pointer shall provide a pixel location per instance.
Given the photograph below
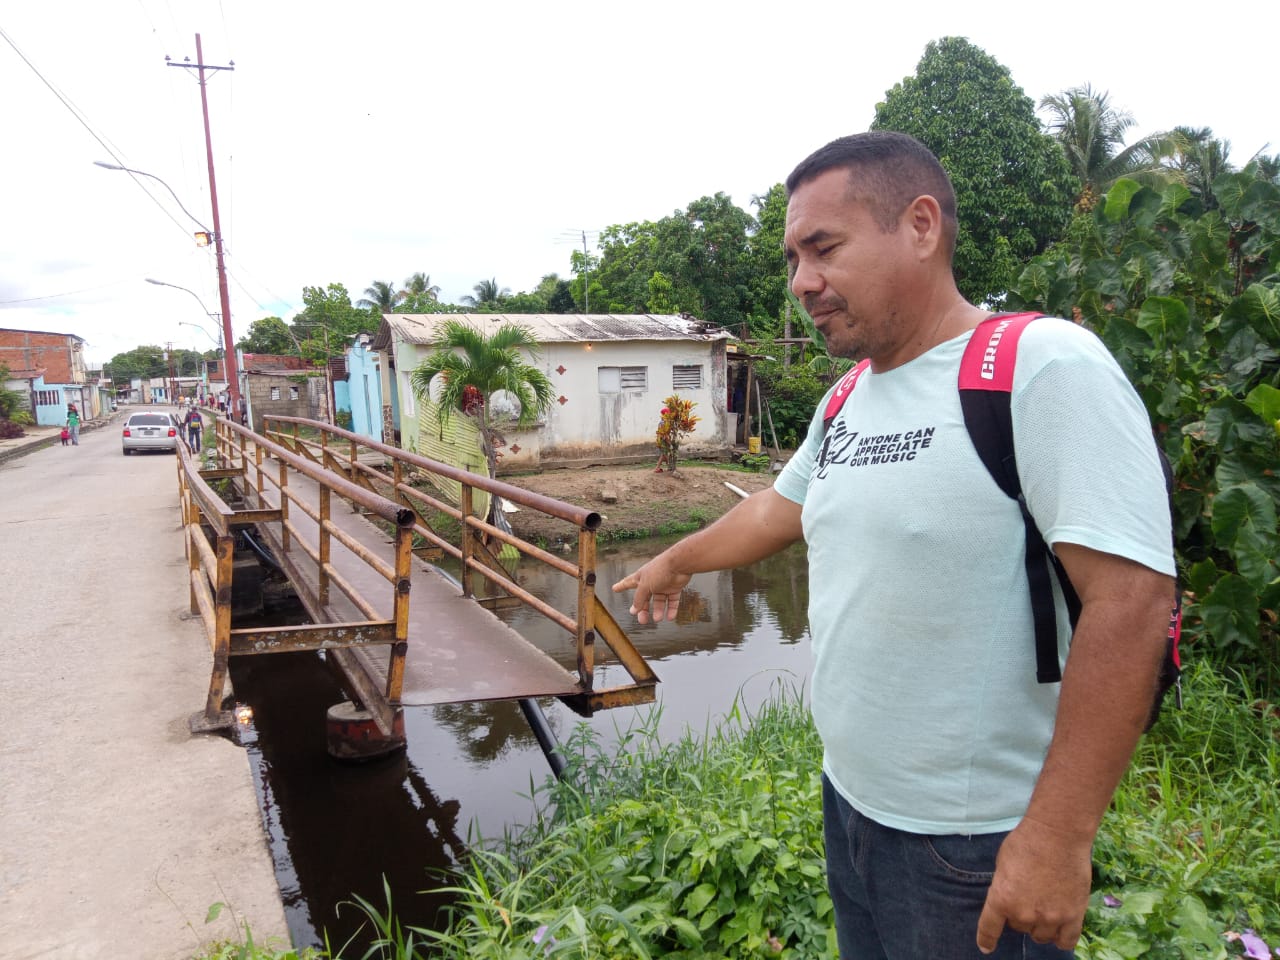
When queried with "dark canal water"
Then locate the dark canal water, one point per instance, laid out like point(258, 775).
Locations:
point(336, 830)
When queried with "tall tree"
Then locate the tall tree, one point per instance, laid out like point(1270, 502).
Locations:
point(419, 285)
point(487, 293)
point(1093, 133)
point(268, 335)
point(1014, 190)
point(474, 368)
point(1197, 159)
point(327, 319)
point(379, 296)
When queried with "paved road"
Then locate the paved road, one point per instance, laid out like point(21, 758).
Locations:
point(118, 829)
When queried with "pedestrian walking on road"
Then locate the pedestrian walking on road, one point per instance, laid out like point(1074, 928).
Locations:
point(73, 424)
point(66, 436)
point(195, 427)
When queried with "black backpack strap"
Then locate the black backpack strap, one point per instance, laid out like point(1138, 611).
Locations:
point(986, 388)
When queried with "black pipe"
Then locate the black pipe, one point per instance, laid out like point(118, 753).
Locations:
point(261, 551)
point(546, 737)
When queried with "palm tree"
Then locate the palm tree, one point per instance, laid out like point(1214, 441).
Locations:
point(1198, 158)
point(487, 293)
point(419, 285)
point(1092, 133)
point(380, 296)
point(476, 366)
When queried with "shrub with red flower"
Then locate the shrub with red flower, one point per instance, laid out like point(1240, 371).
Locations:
point(676, 421)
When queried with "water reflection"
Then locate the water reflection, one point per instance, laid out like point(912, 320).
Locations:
point(470, 768)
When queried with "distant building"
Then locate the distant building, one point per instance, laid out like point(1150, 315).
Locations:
point(610, 372)
point(283, 386)
point(50, 370)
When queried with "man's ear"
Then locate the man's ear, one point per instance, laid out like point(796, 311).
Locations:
point(923, 217)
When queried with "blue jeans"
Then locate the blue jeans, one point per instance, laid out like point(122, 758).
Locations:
point(907, 896)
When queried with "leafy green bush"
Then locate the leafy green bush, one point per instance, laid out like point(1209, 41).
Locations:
point(792, 394)
point(1189, 848)
point(1188, 300)
point(711, 846)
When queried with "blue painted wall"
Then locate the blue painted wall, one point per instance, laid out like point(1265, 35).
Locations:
point(50, 414)
point(364, 391)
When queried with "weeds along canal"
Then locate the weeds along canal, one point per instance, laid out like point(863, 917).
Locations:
point(338, 829)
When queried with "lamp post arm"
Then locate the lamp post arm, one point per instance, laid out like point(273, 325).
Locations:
point(143, 173)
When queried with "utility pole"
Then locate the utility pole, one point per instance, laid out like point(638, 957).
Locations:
point(586, 286)
point(231, 367)
point(168, 355)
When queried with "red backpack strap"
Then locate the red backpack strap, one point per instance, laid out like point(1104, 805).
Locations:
point(841, 394)
point(989, 356)
point(986, 388)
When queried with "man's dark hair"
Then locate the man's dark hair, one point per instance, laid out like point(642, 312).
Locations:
point(887, 170)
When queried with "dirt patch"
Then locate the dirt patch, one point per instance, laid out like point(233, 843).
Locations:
point(647, 503)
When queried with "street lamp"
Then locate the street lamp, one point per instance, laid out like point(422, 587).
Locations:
point(230, 367)
point(184, 323)
point(204, 231)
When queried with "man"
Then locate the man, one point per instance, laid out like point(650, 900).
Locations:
point(195, 427)
point(961, 797)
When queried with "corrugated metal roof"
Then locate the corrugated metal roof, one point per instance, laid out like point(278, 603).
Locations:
point(420, 328)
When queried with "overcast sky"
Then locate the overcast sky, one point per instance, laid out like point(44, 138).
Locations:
point(469, 140)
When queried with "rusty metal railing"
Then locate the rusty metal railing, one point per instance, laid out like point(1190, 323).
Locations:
point(339, 450)
point(210, 526)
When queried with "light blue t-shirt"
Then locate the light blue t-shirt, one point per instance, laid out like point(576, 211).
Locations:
point(924, 681)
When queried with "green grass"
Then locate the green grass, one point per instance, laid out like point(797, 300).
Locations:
point(712, 846)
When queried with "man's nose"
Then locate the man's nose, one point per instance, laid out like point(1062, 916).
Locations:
point(805, 279)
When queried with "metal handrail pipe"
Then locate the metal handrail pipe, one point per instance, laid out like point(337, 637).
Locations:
point(434, 538)
point(525, 547)
point(409, 490)
point(381, 506)
point(309, 550)
point(208, 560)
point(215, 511)
point(580, 516)
point(387, 571)
point(204, 600)
point(352, 594)
point(548, 611)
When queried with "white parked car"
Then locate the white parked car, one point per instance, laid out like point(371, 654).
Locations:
point(150, 431)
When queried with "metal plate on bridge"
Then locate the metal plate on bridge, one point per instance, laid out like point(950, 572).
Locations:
point(458, 650)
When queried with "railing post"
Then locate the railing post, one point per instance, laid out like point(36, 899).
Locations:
point(284, 505)
point(397, 478)
point(193, 564)
point(323, 584)
point(355, 456)
point(222, 627)
point(404, 560)
point(586, 633)
point(468, 545)
point(257, 470)
point(244, 458)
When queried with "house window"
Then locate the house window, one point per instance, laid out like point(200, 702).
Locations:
point(686, 378)
point(275, 393)
point(46, 398)
point(617, 379)
point(293, 393)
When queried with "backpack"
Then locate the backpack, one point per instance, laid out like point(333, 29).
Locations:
point(986, 389)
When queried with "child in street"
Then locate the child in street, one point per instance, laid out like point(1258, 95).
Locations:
point(66, 436)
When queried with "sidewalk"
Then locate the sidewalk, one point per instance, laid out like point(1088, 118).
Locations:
point(38, 438)
point(118, 828)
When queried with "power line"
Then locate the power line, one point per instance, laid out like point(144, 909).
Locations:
point(68, 293)
point(76, 112)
